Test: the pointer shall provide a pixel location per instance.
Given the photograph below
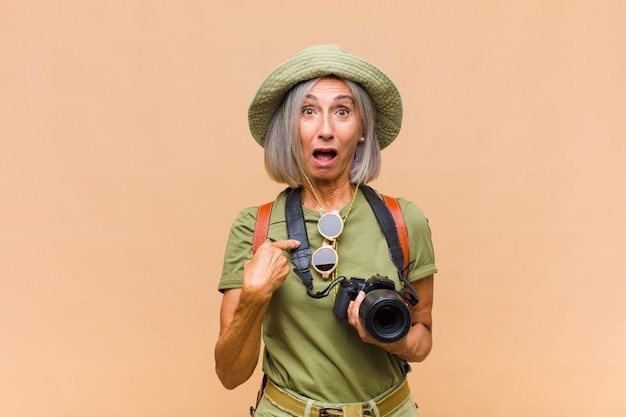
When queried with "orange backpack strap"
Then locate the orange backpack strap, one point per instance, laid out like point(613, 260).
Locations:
point(403, 234)
point(262, 225)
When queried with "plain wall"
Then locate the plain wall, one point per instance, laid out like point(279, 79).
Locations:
point(125, 155)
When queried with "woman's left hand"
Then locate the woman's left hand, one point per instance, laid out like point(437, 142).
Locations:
point(416, 345)
point(355, 320)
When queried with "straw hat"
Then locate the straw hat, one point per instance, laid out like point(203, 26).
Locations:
point(319, 61)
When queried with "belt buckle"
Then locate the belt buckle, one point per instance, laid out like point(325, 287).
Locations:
point(331, 412)
point(340, 412)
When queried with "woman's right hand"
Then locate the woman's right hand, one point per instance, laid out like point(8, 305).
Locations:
point(268, 268)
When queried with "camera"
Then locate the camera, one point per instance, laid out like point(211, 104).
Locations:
point(383, 313)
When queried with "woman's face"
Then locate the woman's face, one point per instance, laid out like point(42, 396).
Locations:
point(330, 129)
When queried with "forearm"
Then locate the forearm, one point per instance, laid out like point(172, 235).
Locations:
point(241, 316)
point(238, 346)
point(418, 343)
point(416, 346)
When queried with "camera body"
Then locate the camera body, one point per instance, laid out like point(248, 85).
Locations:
point(383, 313)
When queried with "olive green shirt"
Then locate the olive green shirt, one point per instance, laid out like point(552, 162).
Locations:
point(307, 349)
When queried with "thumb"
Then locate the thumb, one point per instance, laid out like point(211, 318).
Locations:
point(287, 244)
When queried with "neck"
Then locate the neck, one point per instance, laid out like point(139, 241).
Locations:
point(331, 196)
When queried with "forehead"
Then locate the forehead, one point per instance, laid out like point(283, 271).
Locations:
point(331, 86)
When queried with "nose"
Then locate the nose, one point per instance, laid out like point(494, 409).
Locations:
point(326, 131)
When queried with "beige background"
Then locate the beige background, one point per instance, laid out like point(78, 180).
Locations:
point(125, 156)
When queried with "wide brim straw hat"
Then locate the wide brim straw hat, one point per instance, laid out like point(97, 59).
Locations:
point(322, 60)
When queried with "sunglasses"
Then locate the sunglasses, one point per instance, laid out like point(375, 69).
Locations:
point(325, 259)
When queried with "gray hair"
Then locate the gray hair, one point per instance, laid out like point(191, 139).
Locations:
point(283, 152)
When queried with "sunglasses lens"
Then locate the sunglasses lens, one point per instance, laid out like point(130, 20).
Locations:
point(330, 225)
point(324, 259)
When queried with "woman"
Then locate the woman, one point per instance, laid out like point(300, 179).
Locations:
point(323, 116)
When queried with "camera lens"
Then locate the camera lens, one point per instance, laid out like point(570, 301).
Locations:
point(386, 318)
point(385, 315)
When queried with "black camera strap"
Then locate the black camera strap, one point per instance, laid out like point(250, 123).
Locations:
point(301, 256)
point(390, 230)
point(387, 224)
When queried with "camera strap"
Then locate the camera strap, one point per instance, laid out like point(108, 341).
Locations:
point(388, 219)
point(301, 256)
point(386, 210)
point(296, 229)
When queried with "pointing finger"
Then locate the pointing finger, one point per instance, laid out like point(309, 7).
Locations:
point(287, 244)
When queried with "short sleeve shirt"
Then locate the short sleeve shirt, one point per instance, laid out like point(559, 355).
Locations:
point(307, 348)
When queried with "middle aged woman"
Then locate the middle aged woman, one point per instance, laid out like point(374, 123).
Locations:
point(323, 117)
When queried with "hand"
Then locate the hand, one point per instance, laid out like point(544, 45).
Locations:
point(355, 321)
point(416, 345)
point(268, 268)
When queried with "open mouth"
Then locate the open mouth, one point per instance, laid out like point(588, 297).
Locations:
point(324, 155)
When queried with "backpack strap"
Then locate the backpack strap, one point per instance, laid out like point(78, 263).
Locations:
point(262, 225)
point(403, 234)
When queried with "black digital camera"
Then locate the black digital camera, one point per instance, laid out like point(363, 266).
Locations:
point(383, 313)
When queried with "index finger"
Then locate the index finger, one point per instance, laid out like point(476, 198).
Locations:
point(288, 244)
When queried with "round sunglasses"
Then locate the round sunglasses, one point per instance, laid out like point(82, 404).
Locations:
point(325, 259)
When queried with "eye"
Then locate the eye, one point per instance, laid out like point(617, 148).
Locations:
point(343, 111)
point(308, 111)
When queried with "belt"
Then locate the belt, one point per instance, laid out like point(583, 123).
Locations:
point(292, 404)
